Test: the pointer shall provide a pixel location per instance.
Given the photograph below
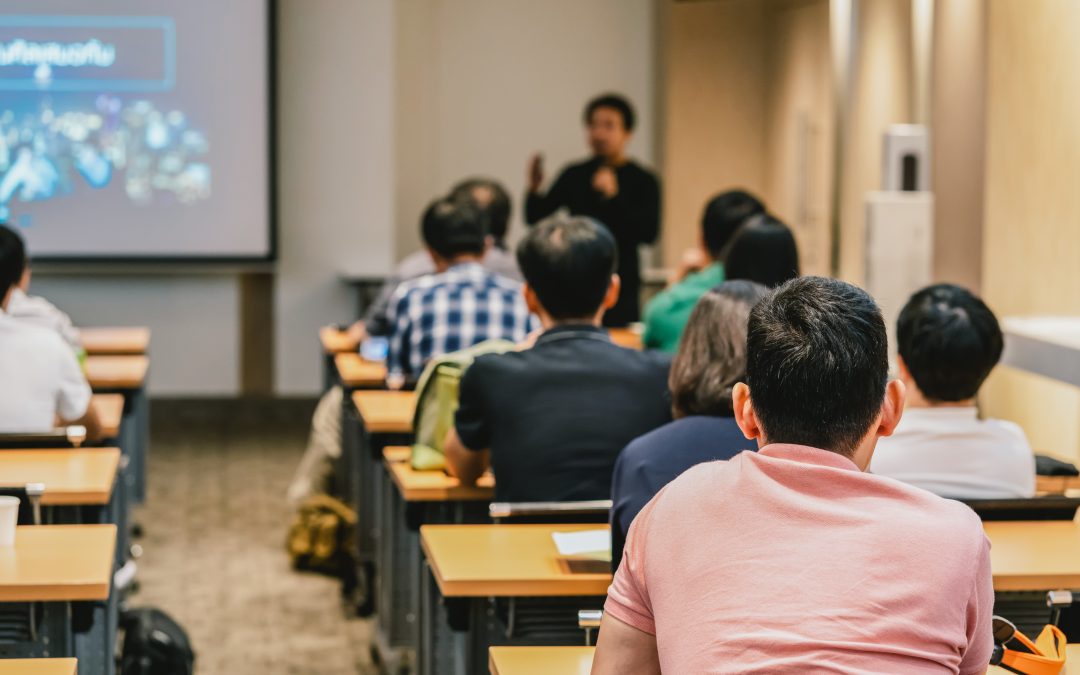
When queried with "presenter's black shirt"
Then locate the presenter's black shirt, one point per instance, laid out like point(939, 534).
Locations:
point(556, 416)
point(632, 215)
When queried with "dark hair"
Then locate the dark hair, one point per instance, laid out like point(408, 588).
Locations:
point(817, 362)
point(493, 201)
point(568, 262)
point(12, 259)
point(949, 340)
point(615, 102)
point(763, 250)
point(724, 214)
point(712, 351)
point(452, 228)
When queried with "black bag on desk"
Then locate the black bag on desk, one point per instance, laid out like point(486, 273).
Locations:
point(154, 644)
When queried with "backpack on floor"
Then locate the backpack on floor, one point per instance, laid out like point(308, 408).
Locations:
point(321, 538)
point(154, 644)
point(437, 401)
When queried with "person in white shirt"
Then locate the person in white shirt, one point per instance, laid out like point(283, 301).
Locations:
point(41, 312)
point(948, 342)
point(43, 384)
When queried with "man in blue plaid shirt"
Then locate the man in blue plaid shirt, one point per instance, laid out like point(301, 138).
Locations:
point(462, 304)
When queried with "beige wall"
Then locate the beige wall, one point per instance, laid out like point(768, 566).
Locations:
point(958, 136)
point(1031, 244)
point(714, 110)
point(800, 126)
point(483, 84)
point(880, 96)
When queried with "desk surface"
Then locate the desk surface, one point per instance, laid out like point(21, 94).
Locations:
point(117, 372)
point(386, 412)
point(625, 337)
point(336, 341)
point(1034, 556)
point(507, 560)
point(58, 562)
point(110, 410)
point(133, 340)
point(38, 666)
point(354, 371)
point(81, 476)
point(540, 660)
point(434, 486)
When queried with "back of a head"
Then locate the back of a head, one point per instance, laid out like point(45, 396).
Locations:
point(817, 364)
point(764, 251)
point(568, 262)
point(493, 201)
point(724, 214)
point(949, 341)
point(712, 352)
point(12, 258)
point(451, 228)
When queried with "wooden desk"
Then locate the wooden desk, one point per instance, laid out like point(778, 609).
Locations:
point(386, 412)
point(356, 373)
point(58, 563)
point(336, 341)
point(72, 477)
point(436, 486)
point(397, 453)
point(1056, 484)
point(38, 666)
point(112, 341)
point(1034, 556)
point(505, 561)
point(625, 337)
point(110, 411)
point(117, 372)
point(540, 660)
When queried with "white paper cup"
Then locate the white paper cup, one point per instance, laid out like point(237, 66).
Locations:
point(9, 517)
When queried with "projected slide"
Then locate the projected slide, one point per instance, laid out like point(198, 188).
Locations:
point(138, 131)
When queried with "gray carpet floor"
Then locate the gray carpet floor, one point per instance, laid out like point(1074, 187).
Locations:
point(215, 522)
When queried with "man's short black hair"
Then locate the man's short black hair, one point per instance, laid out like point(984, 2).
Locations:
point(949, 340)
point(568, 262)
point(817, 362)
point(12, 258)
point(496, 208)
point(615, 102)
point(452, 228)
point(763, 250)
point(724, 214)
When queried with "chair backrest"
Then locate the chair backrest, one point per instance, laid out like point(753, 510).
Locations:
point(63, 437)
point(1051, 507)
point(597, 511)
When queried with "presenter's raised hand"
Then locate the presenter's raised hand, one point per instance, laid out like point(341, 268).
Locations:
point(606, 182)
point(536, 172)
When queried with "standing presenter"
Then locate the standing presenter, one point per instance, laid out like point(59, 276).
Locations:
point(609, 187)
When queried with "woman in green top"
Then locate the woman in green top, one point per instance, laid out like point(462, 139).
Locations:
point(666, 315)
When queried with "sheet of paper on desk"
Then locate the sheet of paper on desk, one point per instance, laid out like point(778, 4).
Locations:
point(590, 543)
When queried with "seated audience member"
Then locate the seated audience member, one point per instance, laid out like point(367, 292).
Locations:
point(667, 313)
point(41, 312)
point(462, 304)
point(948, 342)
point(710, 360)
point(763, 250)
point(794, 559)
point(551, 419)
point(494, 203)
point(43, 383)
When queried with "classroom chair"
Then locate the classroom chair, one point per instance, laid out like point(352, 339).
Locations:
point(62, 437)
point(1049, 507)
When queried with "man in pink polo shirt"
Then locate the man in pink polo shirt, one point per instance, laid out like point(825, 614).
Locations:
point(793, 559)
